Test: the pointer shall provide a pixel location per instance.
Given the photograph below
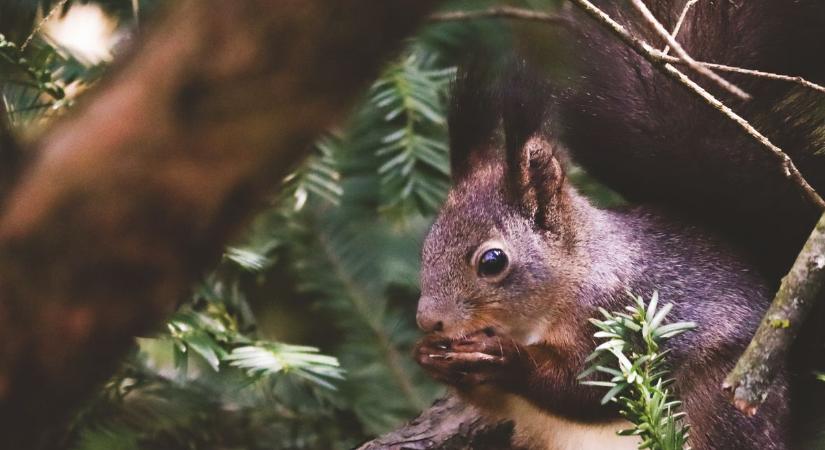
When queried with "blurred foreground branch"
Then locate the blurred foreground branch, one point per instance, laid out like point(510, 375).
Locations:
point(136, 193)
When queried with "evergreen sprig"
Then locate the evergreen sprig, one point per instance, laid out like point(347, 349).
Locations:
point(632, 357)
point(319, 175)
point(412, 147)
point(269, 358)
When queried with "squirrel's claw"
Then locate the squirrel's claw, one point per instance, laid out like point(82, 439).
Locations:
point(476, 359)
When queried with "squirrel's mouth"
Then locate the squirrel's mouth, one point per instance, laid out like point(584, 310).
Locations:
point(446, 342)
point(464, 333)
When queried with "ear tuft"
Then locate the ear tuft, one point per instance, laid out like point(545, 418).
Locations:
point(473, 119)
point(521, 102)
point(525, 105)
point(535, 174)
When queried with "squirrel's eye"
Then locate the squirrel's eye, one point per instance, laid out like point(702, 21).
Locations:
point(492, 262)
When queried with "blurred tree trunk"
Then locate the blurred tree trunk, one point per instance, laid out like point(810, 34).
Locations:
point(130, 198)
point(11, 158)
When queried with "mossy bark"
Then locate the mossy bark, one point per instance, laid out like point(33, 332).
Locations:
point(753, 375)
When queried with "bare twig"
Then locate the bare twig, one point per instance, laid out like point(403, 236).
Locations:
point(754, 73)
point(684, 55)
point(679, 22)
point(659, 60)
point(42, 22)
point(753, 375)
point(498, 12)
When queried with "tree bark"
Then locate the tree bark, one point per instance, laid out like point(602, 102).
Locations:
point(748, 383)
point(131, 197)
point(449, 424)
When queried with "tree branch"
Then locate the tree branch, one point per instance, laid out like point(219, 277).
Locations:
point(657, 59)
point(498, 12)
point(450, 424)
point(657, 26)
point(749, 381)
point(135, 194)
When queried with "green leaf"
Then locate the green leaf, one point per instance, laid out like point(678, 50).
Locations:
point(206, 347)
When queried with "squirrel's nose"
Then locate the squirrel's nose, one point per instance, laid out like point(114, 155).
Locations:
point(429, 318)
point(429, 324)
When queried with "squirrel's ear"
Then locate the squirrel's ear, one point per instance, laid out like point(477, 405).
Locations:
point(534, 172)
point(473, 118)
point(536, 179)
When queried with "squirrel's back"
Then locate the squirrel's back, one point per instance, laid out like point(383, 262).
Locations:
point(654, 142)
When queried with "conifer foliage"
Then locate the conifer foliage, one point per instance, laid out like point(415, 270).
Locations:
point(631, 354)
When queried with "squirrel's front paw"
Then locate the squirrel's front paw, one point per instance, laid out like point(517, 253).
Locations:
point(477, 359)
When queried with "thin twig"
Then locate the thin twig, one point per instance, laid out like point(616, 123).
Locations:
point(684, 55)
point(659, 60)
point(751, 72)
point(41, 23)
point(679, 22)
point(498, 12)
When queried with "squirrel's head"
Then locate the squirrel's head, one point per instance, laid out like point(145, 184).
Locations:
point(500, 250)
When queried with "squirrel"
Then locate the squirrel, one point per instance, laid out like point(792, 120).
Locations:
point(517, 260)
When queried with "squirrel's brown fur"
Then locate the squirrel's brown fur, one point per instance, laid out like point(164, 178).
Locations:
point(706, 241)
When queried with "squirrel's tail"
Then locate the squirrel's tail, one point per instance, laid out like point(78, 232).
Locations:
point(651, 140)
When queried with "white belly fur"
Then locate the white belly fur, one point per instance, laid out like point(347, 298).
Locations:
point(545, 431)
